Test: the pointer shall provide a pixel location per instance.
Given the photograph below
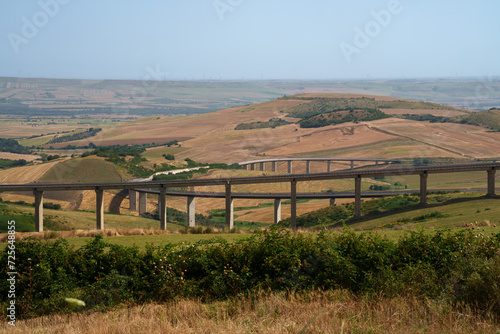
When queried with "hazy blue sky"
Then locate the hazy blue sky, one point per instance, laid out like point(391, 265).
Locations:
point(250, 39)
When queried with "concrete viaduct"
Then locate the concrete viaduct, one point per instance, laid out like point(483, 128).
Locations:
point(251, 165)
point(161, 186)
point(138, 199)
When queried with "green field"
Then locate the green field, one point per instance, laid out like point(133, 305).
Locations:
point(156, 240)
point(443, 210)
point(37, 141)
point(456, 213)
point(464, 180)
point(67, 220)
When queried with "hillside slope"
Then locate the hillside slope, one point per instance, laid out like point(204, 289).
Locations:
point(88, 169)
point(213, 137)
point(25, 174)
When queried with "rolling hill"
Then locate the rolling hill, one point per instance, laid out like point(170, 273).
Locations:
point(220, 137)
point(212, 137)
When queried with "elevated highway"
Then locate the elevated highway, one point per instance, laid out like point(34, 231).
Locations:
point(162, 187)
point(251, 165)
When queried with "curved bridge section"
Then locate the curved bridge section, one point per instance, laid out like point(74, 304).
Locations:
point(160, 187)
point(251, 165)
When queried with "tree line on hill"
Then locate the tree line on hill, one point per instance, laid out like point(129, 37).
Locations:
point(489, 119)
point(13, 146)
point(91, 132)
point(272, 123)
point(117, 154)
point(342, 116)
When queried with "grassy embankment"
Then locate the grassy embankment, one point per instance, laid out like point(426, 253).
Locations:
point(405, 212)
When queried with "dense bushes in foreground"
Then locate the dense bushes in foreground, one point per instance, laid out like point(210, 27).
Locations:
point(461, 267)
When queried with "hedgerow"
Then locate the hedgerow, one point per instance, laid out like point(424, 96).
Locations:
point(458, 268)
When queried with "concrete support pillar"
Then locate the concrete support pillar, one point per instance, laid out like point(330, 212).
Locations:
point(162, 207)
point(376, 163)
point(275, 169)
point(352, 164)
point(290, 167)
point(329, 168)
point(332, 201)
point(252, 166)
point(191, 213)
point(423, 188)
point(308, 166)
point(293, 205)
point(247, 167)
point(229, 207)
point(143, 203)
point(38, 210)
point(132, 196)
point(262, 166)
point(277, 210)
point(491, 183)
point(99, 203)
point(357, 197)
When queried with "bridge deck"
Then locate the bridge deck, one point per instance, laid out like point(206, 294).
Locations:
point(344, 174)
point(162, 186)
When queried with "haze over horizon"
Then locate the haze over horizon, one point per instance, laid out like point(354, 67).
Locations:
point(250, 40)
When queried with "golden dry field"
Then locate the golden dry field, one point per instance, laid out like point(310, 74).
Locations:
point(457, 139)
point(314, 312)
point(212, 138)
point(25, 174)
point(16, 156)
point(165, 128)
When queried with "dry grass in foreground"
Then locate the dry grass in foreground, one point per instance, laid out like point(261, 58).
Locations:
point(329, 312)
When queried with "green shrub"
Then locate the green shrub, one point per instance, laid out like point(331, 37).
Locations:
point(170, 157)
point(461, 267)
